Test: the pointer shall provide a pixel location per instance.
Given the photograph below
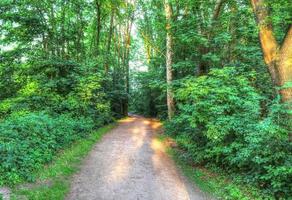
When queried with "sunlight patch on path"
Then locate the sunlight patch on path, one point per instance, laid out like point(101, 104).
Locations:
point(130, 164)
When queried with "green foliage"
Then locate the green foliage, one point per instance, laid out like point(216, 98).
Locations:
point(217, 184)
point(219, 123)
point(59, 87)
point(49, 49)
point(57, 190)
point(59, 172)
point(147, 94)
point(53, 85)
point(69, 61)
point(31, 140)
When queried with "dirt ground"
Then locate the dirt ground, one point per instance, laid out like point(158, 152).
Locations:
point(130, 164)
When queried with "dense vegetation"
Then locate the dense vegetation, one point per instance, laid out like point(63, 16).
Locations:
point(63, 73)
point(229, 111)
point(219, 72)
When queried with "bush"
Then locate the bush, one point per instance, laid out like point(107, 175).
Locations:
point(28, 141)
point(219, 123)
point(61, 87)
point(88, 99)
point(33, 126)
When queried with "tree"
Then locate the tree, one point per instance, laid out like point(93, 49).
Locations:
point(169, 57)
point(278, 57)
point(110, 39)
point(98, 24)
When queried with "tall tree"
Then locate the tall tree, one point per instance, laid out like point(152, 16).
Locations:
point(169, 57)
point(98, 25)
point(109, 41)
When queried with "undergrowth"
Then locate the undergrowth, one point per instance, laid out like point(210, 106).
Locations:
point(215, 183)
point(54, 179)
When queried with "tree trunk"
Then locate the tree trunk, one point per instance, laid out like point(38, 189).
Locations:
point(80, 36)
point(109, 41)
point(217, 9)
point(127, 60)
point(63, 29)
point(285, 68)
point(169, 56)
point(278, 58)
point(98, 25)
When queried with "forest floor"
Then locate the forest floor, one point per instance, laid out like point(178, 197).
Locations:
point(130, 163)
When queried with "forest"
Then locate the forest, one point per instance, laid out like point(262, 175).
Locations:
point(217, 73)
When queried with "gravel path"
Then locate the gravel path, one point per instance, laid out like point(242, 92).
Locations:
point(130, 164)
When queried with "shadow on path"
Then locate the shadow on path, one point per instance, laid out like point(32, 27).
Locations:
point(130, 164)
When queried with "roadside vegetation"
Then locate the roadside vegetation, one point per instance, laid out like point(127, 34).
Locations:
point(216, 75)
point(58, 82)
point(226, 130)
point(53, 180)
point(215, 182)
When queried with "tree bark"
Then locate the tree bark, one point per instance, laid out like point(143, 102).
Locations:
point(127, 60)
point(98, 25)
point(169, 56)
point(109, 41)
point(277, 57)
point(285, 68)
point(63, 28)
point(217, 9)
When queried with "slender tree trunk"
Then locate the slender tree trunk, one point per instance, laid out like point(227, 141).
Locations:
point(169, 56)
point(217, 9)
point(51, 36)
point(109, 41)
point(127, 60)
point(63, 29)
point(80, 39)
point(98, 25)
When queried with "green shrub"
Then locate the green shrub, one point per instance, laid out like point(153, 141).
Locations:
point(88, 99)
point(28, 141)
point(61, 87)
point(219, 123)
point(58, 102)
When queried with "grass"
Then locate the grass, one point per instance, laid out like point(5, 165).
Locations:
point(218, 185)
point(54, 180)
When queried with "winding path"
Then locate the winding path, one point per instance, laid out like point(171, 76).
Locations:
point(130, 164)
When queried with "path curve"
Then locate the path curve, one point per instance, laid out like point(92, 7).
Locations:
point(130, 164)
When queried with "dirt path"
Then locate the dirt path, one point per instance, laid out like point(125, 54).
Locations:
point(130, 164)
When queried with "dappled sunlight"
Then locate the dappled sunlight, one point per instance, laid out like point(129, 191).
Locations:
point(126, 120)
point(135, 130)
point(121, 85)
point(153, 123)
point(29, 89)
point(157, 146)
point(119, 171)
point(147, 122)
point(121, 168)
point(165, 167)
point(138, 137)
point(156, 125)
point(130, 163)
